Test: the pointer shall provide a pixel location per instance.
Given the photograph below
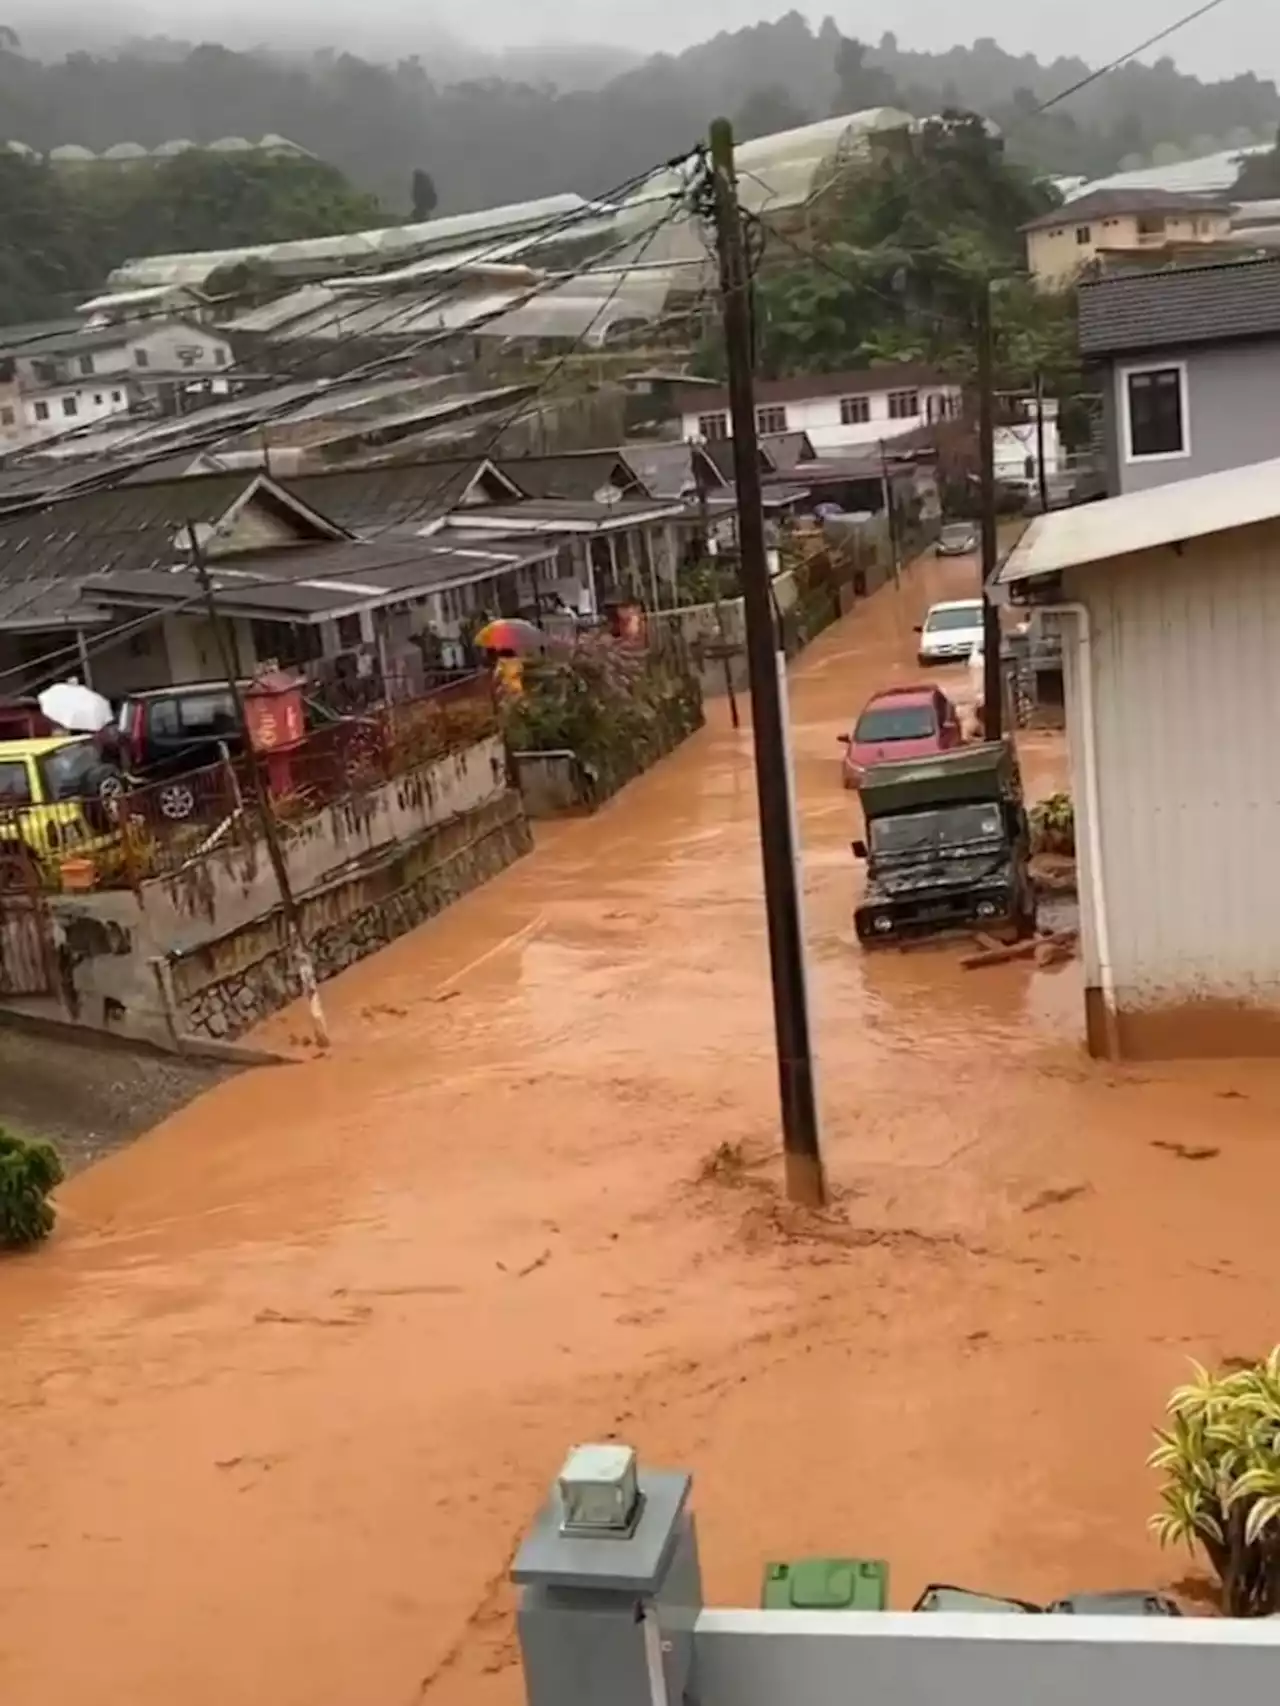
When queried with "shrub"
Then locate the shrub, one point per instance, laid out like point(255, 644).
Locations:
point(1220, 1458)
point(28, 1172)
point(1053, 825)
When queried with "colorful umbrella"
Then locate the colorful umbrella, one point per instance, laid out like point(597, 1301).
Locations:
point(510, 634)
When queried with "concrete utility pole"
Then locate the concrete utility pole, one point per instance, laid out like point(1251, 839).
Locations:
point(992, 676)
point(709, 545)
point(262, 801)
point(766, 663)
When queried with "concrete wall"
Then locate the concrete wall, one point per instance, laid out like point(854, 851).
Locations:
point(805, 1658)
point(1186, 699)
point(123, 955)
point(1230, 407)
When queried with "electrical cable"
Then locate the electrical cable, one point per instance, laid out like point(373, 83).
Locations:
point(438, 500)
point(554, 227)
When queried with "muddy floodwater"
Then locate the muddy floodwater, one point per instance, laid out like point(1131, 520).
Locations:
point(279, 1399)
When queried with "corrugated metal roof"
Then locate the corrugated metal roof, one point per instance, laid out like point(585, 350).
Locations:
point(1099, 204)
point(1211, 174)
point(1145, 521)
point(1179, 306)
point(576, 475)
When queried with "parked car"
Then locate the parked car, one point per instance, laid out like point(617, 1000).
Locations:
point(900, 723)
point(162, 736)
point(957, 539)
point(54, 798)
point(950, 631)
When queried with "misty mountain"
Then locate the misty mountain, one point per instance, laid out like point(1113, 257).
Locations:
point(491, 135)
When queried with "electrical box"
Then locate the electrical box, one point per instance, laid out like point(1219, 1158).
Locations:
point(826, 1584)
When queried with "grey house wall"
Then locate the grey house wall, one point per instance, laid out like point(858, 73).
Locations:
point(1231, 408)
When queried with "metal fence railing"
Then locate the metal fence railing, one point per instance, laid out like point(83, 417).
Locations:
point(157, 828)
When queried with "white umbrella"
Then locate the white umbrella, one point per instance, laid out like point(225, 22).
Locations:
point(75, 708)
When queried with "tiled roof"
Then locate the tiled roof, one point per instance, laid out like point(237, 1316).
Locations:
point(1180, 306)
point(1116, 204)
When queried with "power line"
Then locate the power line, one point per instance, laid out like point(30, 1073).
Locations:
point(554, 227)
point(1124, 58)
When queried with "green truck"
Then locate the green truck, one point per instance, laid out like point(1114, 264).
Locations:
point(947, 847)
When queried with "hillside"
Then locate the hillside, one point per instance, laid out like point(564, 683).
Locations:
point(498, 138)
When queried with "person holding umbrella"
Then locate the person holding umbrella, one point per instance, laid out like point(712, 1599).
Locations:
point(503, 643)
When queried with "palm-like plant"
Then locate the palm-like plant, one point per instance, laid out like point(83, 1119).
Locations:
point(1220, 1458)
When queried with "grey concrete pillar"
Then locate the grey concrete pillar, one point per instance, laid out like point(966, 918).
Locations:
point(610, 1585)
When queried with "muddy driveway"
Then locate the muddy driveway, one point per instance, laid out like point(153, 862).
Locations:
point(276, 1404)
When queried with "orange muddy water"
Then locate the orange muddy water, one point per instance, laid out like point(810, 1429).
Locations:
point(280, 1397)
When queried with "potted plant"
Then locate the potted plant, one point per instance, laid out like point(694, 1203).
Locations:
point(1220, 1458)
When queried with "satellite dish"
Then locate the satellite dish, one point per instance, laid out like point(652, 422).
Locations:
point(608, 496)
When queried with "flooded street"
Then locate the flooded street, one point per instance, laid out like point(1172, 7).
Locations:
point(279, 1399)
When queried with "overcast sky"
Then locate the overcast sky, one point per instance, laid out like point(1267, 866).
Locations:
point(1242, 35)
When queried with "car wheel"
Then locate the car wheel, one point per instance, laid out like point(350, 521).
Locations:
point(177, 801)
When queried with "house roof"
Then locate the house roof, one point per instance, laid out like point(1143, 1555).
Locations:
point(1180, 306)
point(800, 388)
point(1145, 521)
point(579, 474)
point(398, 492)
point(1117, 203)
point(565, 515)
point(311, 584)
point(787, 449)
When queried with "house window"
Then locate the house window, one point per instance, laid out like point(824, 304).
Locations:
point(141, 358)
point(97, 397)
point(348, 633)
point(904, 405)
point(115, 397)
point(219, 356)
point(1155, 400)
point(40, 411)
point(941, 406)
point(1084, 235)
point(70, 406)
point(1150, 225)
point(855, 411)
point(86, 364)
point(188, 354)
point(713, 427)
point(7, 417)
point(771, 418)
point(290, 644)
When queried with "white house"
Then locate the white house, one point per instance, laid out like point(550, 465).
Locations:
point(837, 410)
point(1168, 602)
point(1018, 444)
point(67, 375)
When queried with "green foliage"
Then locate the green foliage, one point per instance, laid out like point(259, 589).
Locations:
point(28, 1172)
point(1053, 825)
point(617, 709)
point(65, 228)
point(1220, 1459)
point(501, 138)
point(423, 195)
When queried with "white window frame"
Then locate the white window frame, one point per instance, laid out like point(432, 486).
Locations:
point(1123, 376)
point(776, 411)
point(904, 405)
point(726, 426)
point(855, 410)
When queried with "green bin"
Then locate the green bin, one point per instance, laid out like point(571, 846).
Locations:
point(826, 1584)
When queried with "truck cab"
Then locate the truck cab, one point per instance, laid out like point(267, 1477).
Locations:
point(947, 847)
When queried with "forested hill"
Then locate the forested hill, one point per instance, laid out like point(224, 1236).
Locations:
point(494, 141)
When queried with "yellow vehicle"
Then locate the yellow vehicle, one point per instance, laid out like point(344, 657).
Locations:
point(54, 796)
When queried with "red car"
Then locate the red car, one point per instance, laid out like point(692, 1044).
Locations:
point(901, 722)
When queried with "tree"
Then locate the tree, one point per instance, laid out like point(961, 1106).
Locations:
point(859, 85)
point(425, 197)
point(28, 1173)
point(767, 111)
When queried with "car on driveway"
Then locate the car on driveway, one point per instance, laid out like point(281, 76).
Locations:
point(957, 539)
point(950, 631)
point(897, 724)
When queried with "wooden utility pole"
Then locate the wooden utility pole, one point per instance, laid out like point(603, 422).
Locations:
point(890, 513)
point(766, 663)
point(1042, 476)
point(704, 521)
point(298, 949)
point(992, 675)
